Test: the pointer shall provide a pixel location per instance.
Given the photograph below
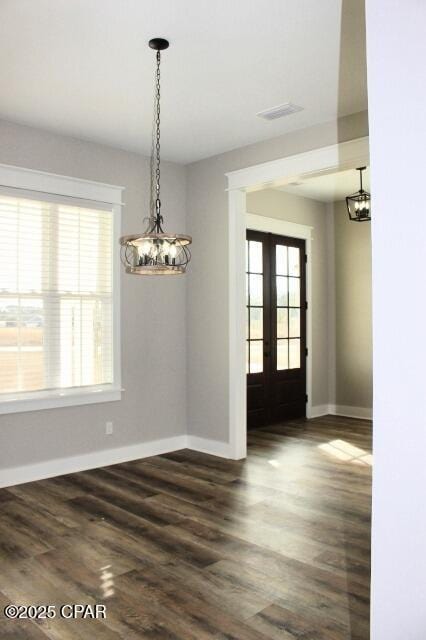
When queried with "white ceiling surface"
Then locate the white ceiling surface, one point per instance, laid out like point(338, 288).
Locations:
point(83, 68)
point(329, 187)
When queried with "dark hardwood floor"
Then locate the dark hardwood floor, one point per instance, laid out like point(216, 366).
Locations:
point(189, 546)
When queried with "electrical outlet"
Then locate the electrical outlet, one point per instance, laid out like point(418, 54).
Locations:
point(109, 428)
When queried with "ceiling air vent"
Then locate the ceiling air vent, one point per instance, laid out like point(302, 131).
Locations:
point(280, 111)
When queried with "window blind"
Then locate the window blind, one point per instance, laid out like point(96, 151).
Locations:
point(55, 295)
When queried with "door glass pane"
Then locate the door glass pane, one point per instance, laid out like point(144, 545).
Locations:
point(281, 260)
point(293, 261)
point(247, 255)
point(255, 263)
point(247, 357)
point(247, 288)
point(282, 291)
point(256, 290)
point(256, 323)
point(294, 292)
point(282, 354)
point(282, 323)
point(294, 324)
point(294, 354)
point(256, 356)
point(247, 323)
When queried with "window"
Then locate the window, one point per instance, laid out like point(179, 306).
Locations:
point(57, 334)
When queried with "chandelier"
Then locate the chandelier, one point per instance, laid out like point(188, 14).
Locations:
point(358, 204)
point(156, 252)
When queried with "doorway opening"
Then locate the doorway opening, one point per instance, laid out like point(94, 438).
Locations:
point(319, 162)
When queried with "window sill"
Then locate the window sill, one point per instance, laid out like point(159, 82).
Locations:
point(38, 400)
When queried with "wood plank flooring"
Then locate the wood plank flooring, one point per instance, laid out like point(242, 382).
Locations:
point(188, 546)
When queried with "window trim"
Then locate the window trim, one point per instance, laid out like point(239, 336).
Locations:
point(39, 184)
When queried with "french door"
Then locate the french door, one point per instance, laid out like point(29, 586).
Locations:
point(276, 328)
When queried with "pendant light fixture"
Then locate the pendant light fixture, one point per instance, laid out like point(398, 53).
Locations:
point(156, 252)
point(359, 204)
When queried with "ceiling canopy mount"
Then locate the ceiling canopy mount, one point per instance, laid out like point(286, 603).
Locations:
point(159, 44)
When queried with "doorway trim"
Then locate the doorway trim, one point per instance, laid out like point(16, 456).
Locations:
point(336, 157)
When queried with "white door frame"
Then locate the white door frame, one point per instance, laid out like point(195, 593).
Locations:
point(337, 157)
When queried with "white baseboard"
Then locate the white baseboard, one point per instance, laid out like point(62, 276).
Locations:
point(212, 447)
point(318, 411)
point(105, 457)
point(365, 413)
point(61, 466)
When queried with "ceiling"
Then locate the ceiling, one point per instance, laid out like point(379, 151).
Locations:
point(329, 188)
point(83, 68)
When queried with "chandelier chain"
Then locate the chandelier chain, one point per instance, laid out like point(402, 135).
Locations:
point(157, 141)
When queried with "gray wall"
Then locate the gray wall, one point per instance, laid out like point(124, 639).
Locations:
point(286, 206)
point(207, 326)
point(354, 379)
point(153, 314)
point(155, 351)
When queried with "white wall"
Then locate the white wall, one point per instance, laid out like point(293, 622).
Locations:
point(286, 206)
point(153, 311)
point(396, 54)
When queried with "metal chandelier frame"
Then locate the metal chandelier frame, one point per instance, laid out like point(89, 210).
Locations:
point(359, 204)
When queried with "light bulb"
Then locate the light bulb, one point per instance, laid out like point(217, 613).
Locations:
point(155, 250)
point(356, 205)
point(172, 250)
point(145, 248)
point(165, 248)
